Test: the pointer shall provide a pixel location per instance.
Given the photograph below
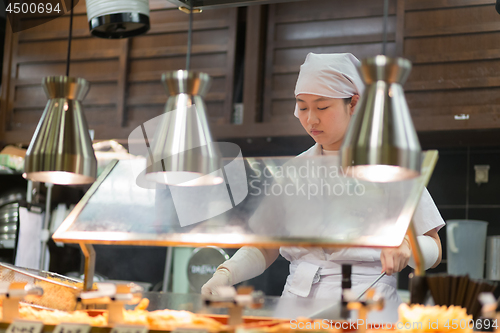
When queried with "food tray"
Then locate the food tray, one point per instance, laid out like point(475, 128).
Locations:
point(59, 292)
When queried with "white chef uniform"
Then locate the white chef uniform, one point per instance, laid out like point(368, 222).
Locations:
point(316, 272)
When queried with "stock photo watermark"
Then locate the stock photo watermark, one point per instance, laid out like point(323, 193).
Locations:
point(28, 14)
point(306, 180)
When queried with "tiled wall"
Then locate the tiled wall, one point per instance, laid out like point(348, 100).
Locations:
point(456, 193)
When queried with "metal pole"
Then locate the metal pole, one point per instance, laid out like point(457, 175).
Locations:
point(45, 229)
point(168, 267)
point(89, 253)
point(190, 38)
point(386, 17)
point(69, 38)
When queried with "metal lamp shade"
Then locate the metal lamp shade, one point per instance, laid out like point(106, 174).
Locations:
point(183, 151)
point(61, 150)
point(118, 18)
point(381, 144)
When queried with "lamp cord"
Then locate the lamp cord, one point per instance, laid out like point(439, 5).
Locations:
point(69, 37)
point(384, 35)
point(190, 37)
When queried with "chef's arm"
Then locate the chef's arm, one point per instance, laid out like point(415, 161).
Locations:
point(430, 246)
point(248, 262)
point(270, 255)
point(434, 235)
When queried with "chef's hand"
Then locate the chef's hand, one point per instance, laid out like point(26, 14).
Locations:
point(395, 259)
point(221, 278)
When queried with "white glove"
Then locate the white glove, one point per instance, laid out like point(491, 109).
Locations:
point(221, 278)
point(248, 262)
point(429, 249)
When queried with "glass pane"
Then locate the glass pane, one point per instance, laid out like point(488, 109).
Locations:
point(263, 201)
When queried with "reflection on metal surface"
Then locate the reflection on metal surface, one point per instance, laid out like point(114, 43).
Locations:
point(182, 151)
point(61, 150)
point(291, 201)
point(381, 132)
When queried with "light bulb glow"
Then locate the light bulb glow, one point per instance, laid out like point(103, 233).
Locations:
point(381, 173)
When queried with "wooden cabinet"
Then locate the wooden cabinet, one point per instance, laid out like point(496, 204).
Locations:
point(453, 45)
point(125, 75)
point(454, 48)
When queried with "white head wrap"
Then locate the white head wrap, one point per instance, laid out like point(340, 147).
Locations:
point(329, 75)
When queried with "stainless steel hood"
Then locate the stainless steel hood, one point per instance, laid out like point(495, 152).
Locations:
point(209, 4)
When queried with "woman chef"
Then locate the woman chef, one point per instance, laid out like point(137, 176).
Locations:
point(327, 91)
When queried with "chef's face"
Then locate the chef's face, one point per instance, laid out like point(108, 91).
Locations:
point(325, 119)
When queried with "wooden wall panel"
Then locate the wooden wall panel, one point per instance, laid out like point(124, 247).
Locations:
point(125, 75)
point(318, 26)
point(454, 47)
point(94, 70)
point(328, 10)
point(291, 59)
point(49, 50)
point(455, 75)
point(138, 114)
point(469, 19)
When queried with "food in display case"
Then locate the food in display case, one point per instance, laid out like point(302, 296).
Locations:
point(420, 318)
point(59, 292)
point(54, 317)
point(412, 319)
point(160, 319)
point(57, 297)
point(109, 212)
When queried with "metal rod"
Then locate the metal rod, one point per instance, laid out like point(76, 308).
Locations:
point(384, 34)
point(89, 253)
point(467, 177)
point(45, 228)
point(168, 267)
point(415, 250)
point(190, 37)
point(371, 285)
point(69, 37)
point(29, 192)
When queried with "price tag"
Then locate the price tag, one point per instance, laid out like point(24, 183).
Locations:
point(72, 328)
point(129, 329)
point(25, 326)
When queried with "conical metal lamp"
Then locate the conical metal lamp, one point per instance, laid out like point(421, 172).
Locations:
point(381, 144)
point(61, 150)
point(183, 151)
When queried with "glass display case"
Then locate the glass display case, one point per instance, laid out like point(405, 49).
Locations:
point(265, 202)
point(268, 202)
